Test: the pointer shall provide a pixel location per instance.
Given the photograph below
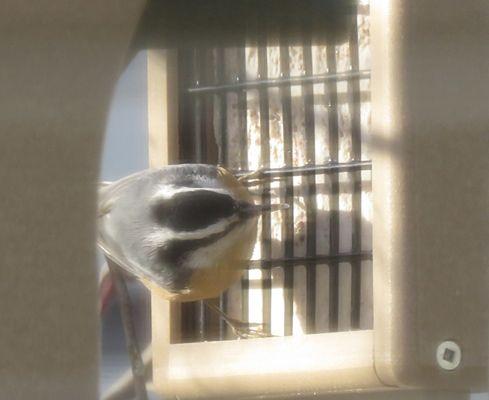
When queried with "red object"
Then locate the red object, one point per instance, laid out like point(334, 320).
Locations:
point(106, 289)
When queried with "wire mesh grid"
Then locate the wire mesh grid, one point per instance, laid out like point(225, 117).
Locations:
point(301, 112)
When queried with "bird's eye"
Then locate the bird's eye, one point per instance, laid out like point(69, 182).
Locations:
point(195, 209)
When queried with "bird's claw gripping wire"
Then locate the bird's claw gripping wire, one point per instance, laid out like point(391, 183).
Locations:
point(243, 330)
point(259, 177)
point(253, 178)
point(247, 330)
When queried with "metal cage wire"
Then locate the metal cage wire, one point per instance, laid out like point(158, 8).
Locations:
point(210, 84)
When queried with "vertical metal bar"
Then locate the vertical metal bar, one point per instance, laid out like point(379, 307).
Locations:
point(223, 305)
point(242, 111)
point(212, 321)
point(221, 131)
point(185, 106)
point(288, 223)
point(266, 243)
point(222, 109)
point(197, 129)
point(199, 156)
point(242, 107)
point(201, 314)
point(310, 180)
point(332, 103)
point(189, 326)
point(199, 141)
point(209, 77)
point(355, 104)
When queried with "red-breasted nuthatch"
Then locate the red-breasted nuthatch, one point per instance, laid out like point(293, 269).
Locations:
point(186, 231)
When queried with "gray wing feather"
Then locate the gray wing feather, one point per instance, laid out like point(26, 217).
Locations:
point(108, 195)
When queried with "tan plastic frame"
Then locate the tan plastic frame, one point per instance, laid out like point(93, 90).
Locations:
point(430, 99)
point(430, 127)
point(60, 63)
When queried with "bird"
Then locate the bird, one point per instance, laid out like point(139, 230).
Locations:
point(185, 231)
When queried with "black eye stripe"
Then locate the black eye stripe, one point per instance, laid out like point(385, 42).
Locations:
point(192, 210)
point(172, 256)
point(174, 251)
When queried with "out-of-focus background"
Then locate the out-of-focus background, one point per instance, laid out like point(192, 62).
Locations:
point(125, 152)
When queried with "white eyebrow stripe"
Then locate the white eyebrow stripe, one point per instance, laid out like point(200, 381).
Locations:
point(161, 235)
point(215, 249)
point(166, 192)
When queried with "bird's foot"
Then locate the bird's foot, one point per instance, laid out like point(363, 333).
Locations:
point(248, 330)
